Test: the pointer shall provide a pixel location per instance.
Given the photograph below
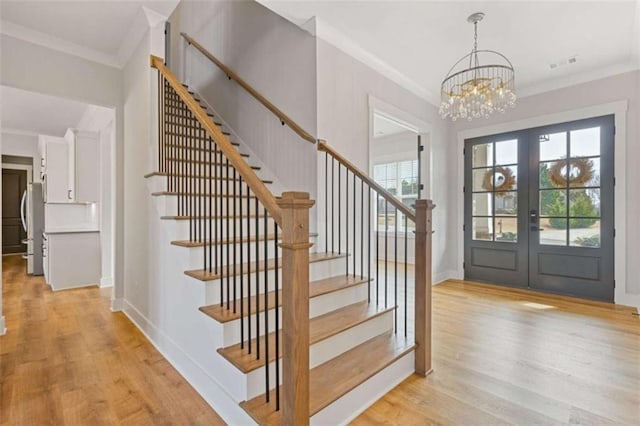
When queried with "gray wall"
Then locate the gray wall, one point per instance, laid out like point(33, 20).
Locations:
point(274, 56)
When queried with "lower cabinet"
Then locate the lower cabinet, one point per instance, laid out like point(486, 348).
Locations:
point(72, 259)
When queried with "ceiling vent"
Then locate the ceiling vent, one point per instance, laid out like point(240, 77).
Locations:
point(568, 61)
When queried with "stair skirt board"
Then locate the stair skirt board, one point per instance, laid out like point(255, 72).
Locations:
point(217, 395)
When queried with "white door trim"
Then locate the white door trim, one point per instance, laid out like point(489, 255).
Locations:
point(619, 109)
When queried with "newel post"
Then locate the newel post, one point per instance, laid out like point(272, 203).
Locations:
point(423, 287)
point(295, 307)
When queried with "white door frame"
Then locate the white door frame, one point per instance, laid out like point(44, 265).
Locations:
point(619, 110)
point(411, 122)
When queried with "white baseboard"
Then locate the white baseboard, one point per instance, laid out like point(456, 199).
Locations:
point(207, 386)
point(117, 305)
point(106, 282)
point(443, 276)
point(3, 329)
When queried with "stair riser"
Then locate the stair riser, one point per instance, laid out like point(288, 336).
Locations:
point(159, 184)
point(323, 351)
point(196, 254)
point(180, 229)
point(167, 205)
point(326, 303)
point(317, 271)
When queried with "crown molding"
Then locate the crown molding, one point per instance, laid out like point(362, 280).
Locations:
point(45, 40)
point(575, 79)
point(145, 19)
point(341, 41)
point(18, 132)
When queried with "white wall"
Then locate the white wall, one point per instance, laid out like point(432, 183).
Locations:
point(274, 56)
point(23, 145)
point(562, 102)
point(344, 87)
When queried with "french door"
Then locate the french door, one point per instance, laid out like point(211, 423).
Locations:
point(539, 208)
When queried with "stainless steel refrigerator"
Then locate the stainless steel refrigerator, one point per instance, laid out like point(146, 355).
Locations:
point(32, 212)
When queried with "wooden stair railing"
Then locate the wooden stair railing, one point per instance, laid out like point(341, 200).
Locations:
point(284, 118)
point(220, 193)
point(338, 213)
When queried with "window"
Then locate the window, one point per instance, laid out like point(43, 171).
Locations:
point(400, 178)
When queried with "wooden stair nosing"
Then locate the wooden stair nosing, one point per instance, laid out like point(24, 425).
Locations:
point(207, 138)
point(161, 193)
point(204, 275)
point(163, 174)
point(247, 239)
point(187, 116)
point(335, 378)
point(180, 124)
point(320, 328)
point(244, 216)
point(205, 162)
point(229, 166)
point(183, 148)
point(316, 289)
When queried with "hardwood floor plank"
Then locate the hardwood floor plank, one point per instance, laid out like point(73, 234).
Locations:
point(516, 356)
point(68, 360)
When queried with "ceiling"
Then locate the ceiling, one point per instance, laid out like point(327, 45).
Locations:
point(100, 27)
point(36, 113)
point(420, 40)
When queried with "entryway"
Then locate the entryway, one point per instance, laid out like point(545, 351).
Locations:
point(539, 208)
point(14, 185)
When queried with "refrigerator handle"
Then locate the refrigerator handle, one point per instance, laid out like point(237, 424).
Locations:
point(23, 210)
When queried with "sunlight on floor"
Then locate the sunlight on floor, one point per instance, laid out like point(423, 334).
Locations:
point(538, 305)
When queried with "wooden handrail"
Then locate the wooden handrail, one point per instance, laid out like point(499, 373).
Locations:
point(244, 170)
point(410, 214)
point(284, 118)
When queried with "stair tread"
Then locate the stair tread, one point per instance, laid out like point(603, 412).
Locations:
point(163, 174)
point(244, 216)
point(187, 116)
point(205, 194)
point(230, 270)
point(320, 328)
point(316, 288)
point(183, 148)
point(335, 378)
point(206, 162)
point(250, 238)
point(205, 138)
point(182, 160)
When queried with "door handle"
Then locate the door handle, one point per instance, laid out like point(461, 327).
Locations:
point(535, 228)
point(533, 215)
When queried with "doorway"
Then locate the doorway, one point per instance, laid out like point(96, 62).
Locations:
point(14, 185)
point(539, 208)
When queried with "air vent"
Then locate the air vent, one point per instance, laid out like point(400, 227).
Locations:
point(567, 61)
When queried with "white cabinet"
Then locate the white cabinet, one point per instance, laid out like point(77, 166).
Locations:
point(71, 167)
point(72, 259)
point(55, 169)
point(87, 167)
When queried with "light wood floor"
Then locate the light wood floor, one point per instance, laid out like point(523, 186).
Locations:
point(500, 357)
point(515, 357)
point(68, 360)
